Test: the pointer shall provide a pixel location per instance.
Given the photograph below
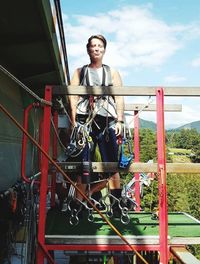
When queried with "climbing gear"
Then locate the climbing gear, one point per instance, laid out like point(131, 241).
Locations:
point(128, 190)
point(78, 140)
point(73, 149)
point(75, 208)
point(125, 160)
point(105, 105)
point(106, 76)
point(114, 206)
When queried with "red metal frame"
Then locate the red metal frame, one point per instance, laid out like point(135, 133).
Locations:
point(162, 189)
point(163, 247)
point(137, 158)
point(102, 247)
point(41, 250)
point(24, 141)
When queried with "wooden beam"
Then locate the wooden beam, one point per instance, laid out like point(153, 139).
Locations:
point(134, 167)
point(125, 90)
point(152, 107)
point(183, 255)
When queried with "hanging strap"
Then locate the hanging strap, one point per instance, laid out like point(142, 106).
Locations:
point(84, 76)
point(106, 68)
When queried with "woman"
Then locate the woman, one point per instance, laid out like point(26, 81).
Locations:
point(105, 112)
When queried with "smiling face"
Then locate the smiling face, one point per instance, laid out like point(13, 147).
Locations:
point(96, 49)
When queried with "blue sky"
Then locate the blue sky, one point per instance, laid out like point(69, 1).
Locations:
point(150, 43)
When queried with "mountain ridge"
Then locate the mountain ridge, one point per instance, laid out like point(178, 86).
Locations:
point(152, 125)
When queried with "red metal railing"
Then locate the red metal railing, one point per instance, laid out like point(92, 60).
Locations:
point(43, 248)
point(24, 142)
point(162, 189)
point(137, 158)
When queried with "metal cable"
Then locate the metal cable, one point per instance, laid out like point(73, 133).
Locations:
point(62, 36)
point(141, 110)
point(28, 90)
point(56, 133)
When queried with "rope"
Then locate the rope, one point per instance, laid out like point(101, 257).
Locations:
point(72, 183)
point(56, 133)
point(28, 90)
point(141, 110)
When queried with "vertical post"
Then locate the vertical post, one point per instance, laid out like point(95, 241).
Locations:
point(137, 158)
point(55, 154)
point(163, 215)
point(44, 177)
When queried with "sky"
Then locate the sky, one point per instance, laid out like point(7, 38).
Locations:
point(151, 43)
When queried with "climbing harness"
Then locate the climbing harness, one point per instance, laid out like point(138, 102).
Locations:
point(104, 104)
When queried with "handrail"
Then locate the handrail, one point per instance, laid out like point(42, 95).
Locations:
point(24, 142)
point(183, 256)
point(134, 167)
point(125, 90)
point(152, 107)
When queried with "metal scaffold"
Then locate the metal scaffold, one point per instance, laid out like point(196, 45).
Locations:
point(49, 166)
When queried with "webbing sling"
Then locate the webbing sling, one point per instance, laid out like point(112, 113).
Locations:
point(84, 80)
point(106, 72)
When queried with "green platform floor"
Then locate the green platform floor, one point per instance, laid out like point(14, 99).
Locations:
point(182, 229)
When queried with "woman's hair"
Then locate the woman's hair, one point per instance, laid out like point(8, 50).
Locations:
point(100, 37)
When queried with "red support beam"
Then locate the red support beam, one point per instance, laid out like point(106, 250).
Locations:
point(162, 189)
point(137, 158)
point(102, 247)
point(44, 178)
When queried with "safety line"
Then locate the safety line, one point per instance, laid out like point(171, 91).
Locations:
point(42, 101)
point(141, 110)
point(56, 133)
point(71, 182)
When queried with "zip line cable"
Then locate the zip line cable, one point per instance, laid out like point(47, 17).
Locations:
point(72, 183)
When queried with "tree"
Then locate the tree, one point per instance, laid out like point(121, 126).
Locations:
point(147, 145)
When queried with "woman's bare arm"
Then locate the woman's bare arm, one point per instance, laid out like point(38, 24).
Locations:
point(73, 99)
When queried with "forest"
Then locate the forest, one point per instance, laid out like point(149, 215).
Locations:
point(183, 189)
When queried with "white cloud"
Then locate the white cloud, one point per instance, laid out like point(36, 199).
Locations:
point(196, 62)
point(174, 79)
point(136, 37)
